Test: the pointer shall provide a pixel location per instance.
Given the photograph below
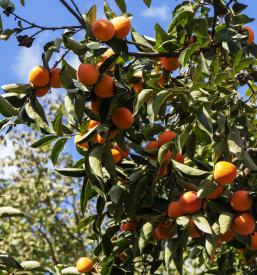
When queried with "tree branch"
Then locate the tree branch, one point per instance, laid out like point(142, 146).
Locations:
point(70, 9)
point(153, 55)
point(77, 8)
point(33, 25)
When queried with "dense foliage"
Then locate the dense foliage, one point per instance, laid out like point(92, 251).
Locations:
point(165, 133)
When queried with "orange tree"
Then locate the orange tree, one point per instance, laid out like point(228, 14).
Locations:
point(167, 141)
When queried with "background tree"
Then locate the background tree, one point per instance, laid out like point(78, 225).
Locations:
point(167, 142)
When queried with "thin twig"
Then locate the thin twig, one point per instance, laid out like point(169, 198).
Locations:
point(153, 55)
point(77, 8)
point(33, 25)
point(60, 59)
point(71, 10)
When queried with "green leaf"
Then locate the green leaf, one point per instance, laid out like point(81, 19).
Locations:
point(160, 35)
point(57, 123)
point(235, 143)
point(189, 170)
point(109, 13)
point(7, 33)
point(31, 265)
point(187, 53)
point(141, 99)
point(71, 270)
point(73, 45)
point(225, 220)
point(146, 235)
point(155, 104)
point(71, 172)
point(67, 74)
point(122, 5)
point(1, 23)
point(43, 141)
point(95, 158)
point(249, 162)
point(57, 149)
point(9, 261)
point(22, 2)
point(162, 152)
point(148, 3)
point(116, 193)
point(87, 192)
point(202, 223)
point(8, 211)
point(143, 44)
point(16, 88)
point(90, 17)
point(85, 222)
point(204, 121)
point(238, 7)
point(237, 58)
point(6, 109)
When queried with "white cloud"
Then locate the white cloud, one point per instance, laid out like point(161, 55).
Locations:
point(160, 12)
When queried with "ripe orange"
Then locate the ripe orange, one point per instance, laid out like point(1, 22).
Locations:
point(243, 224)
point(103, 30)
point(137, 87)
point(122, 118)
point(95, 106)
point(190, 203)
point(151, 145)
point(175, 210)
point(92, 124)
point(39, 76)
point(216, 193)
point(170, 64)
point(224, 172)
point(167, 157)
point(122, 26)
point(88, 74)
point(116, 155)
point(241, 201)
point(253, 245)
point(163, 172)
point(77, 139)
point(226, 237)
point(124, 154)
point(84, 265)
point(193, 231)
point(179, 158)
point(105, 87)
point(54, 78)
point(42, 91)
point(98, 139)
point(128, 226)
point(162, 81)
point(250, 34)
point(166, 137)
point(163, 231)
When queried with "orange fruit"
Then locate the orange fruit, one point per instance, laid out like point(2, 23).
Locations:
point(241, 201)
point(103, 30)
point(122, 118)
point(116, 155)
point(54, 78)
point(216, 193)
point(88, 74)
point(98, 139)
point(175, 210)
point(253, 245)
point(42, 91)
point(190, 203)
point(163, 170)
point(224, 172)
point(250, 34)
point(95, 107)
point(105, 87)
point(193, 231)
point(167, 157)
point(92, 124)
point(163, 231)
point(179, 158)
point(122, 26)
point(166, 137)
point(226, 237)
point(243, 224)
point(128, 226)
point(170, 63)
point(151, 145)
point(124, 154)
point(162, 81)
point(137, 87)
point(84, 265)
point(39, 76)
point(77, 139)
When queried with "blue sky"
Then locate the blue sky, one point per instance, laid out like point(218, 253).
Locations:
point(16, 62)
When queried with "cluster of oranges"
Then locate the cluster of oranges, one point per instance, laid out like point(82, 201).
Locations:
point(43, 79)
point(189, 203)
